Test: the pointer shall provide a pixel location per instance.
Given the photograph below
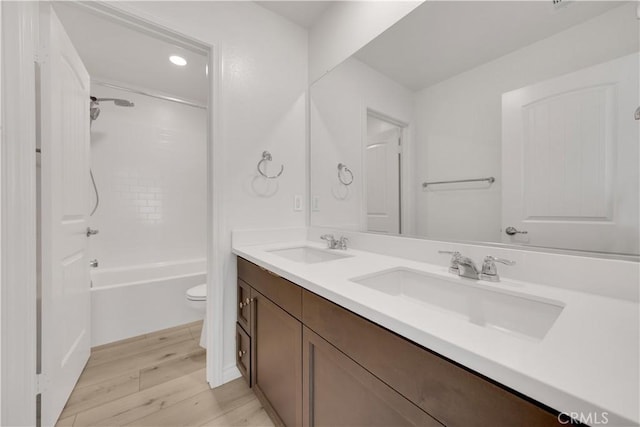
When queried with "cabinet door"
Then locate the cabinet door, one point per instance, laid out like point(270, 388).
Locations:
point(243, 353)
point(454, 395)
point(339, 392)
point(277, 360)
point(244, 305)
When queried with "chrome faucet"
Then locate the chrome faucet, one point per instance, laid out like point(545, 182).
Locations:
point(342, 243)
point(489, 269)
point(465, 267)
point(332, 243)
point(453, 264)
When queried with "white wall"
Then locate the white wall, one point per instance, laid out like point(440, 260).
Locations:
point(149, 163)
point(346, 26)
point(19, 28)
point(1, 198)
point(338, 129)
point(376, 126)
point(262, 101)
point(458, 122)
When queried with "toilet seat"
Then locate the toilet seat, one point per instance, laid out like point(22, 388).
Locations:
point(197, 293)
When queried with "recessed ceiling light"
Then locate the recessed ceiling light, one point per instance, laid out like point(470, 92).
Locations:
point(178, 60)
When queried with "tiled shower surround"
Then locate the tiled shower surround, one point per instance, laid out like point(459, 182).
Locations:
point(149, 163)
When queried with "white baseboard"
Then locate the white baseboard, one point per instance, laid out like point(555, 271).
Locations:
point(230, 373)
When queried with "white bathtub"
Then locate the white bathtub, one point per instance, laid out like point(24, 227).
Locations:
point(135, 300)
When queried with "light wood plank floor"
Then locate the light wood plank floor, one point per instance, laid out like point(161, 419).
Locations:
point(158, 379)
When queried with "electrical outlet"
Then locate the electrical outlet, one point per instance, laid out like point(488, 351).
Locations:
point(297, 202)
point(315, 204)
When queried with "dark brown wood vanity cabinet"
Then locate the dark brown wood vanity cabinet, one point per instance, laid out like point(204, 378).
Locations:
point(339, 392)
point(272, 307)
point(314, 363)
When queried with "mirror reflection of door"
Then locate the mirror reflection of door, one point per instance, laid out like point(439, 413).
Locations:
point(570, 150)
point(383, 161)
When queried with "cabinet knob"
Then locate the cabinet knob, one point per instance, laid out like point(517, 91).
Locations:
point(241, 353)
point(245, 303)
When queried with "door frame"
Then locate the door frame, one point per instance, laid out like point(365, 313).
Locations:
point(18, 345)
point(129, 16)
point(405, 216)
point(18, 214)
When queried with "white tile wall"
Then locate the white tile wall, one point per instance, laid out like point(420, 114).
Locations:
point(149, 162)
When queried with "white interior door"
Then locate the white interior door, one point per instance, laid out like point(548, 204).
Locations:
point(65, 171)
point(570, 160)
point(382, 160)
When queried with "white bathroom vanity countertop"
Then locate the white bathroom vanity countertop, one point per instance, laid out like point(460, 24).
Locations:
point(587, 363)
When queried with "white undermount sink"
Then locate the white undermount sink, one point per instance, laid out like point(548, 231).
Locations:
point(309, 255)
point(511, 312)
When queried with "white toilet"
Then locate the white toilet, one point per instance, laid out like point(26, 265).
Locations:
point(197, 299)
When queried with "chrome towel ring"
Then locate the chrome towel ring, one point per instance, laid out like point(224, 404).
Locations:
point(342, 170)
point(266, 157)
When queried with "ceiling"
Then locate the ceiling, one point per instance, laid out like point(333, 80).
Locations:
point(437, 40)
point(440, 39)
point(303, 13)
point(117, 53)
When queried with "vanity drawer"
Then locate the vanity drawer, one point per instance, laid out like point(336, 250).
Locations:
point(243, 353)
point(282, 292)
point(453, 395)
point(244, 306)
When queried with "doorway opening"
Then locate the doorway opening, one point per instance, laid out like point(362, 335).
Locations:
point(383, 167)
point(130, 132)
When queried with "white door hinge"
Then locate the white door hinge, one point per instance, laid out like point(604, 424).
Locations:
point(39, 56)
point(42, 383)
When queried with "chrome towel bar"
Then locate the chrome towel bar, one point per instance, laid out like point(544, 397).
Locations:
point(490, 180)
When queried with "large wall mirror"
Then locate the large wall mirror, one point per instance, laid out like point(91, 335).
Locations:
point(497, 122)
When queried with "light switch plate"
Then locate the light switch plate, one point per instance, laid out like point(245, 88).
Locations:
point(315, 204)
point(297, 202)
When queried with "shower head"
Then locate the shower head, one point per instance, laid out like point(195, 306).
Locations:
point(123, 103)
point(118, 102)
point(94, 108)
